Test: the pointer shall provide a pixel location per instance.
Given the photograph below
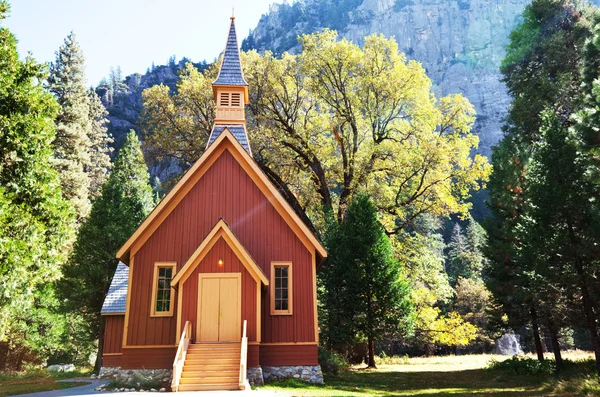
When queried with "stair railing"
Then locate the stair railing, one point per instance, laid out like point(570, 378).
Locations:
point(243, 357)
point(184, 342)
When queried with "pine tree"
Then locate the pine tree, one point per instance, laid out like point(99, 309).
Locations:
point(125, 201)
point(34, 219)
point(363, 280)
point(81, 145)
point(465, 257)
point(97, 168)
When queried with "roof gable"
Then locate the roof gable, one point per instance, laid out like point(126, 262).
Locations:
point(225, 141)
point(220, 230)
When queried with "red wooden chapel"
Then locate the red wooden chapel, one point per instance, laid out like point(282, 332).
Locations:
point(219, 282)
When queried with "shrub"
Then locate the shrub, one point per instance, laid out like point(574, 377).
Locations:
point(331, 362)
point(523, 366)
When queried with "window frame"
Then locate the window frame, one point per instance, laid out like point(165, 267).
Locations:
point(157, 267)
point(290, 289)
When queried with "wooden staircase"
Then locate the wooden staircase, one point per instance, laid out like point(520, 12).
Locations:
point(210, 366)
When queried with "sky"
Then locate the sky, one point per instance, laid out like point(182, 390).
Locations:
point(130, 33)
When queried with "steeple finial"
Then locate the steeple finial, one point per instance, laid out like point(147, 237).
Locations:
point(232, 13)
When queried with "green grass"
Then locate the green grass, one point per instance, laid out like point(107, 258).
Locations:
point(15, 383)
point(458, 376)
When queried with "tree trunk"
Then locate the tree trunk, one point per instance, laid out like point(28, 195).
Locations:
point(555, 345)
point(536, 335)
point(371, 354)
point(98, 363)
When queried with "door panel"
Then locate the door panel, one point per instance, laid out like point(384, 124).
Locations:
point(209, 310)
point(229, 327)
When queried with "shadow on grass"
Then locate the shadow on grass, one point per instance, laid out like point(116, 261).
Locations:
point(470, 383)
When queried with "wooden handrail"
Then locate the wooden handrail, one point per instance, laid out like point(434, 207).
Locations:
point(244, 357)
point(184, 342)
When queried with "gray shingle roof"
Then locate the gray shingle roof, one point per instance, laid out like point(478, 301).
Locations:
point(116, 298)
point(237, 130)
point(231, 67)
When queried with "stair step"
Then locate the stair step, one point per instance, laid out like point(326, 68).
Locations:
point(216, 360)
point(210, 373)
point(201, 387)
point(213, 380)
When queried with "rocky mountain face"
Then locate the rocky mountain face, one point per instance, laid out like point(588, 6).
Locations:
point(460, 42)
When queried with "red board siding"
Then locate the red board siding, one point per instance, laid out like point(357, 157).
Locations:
point(157, 358)
point(253, 356)
point(276, 355)
point(231, 264)
point(113, 334)
point(112, 360)
point(225, 191)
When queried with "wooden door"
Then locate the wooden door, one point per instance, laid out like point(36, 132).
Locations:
point(219, 307)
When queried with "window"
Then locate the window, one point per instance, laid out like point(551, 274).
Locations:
point(281, 288)
point(162, 294)
point(224, 99)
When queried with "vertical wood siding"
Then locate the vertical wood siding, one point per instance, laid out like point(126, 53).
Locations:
point(209, 264)
point(288, 355)
point(160, 358)
point(225, 191)
point(113, 334)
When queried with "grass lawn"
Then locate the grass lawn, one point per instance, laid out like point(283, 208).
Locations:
point(12, 384)
point(455, 376)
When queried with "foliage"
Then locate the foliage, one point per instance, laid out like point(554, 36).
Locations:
point(365, 295)
point(524, 365)
point(331, 362)
point(35, 221)
point(473, 302)
point(125, 201)
point(179, 126)
point(81, 147)
point(339, 118)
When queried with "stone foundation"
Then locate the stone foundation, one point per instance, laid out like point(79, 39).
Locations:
point(108, 371)
point(138, 378)
point(306, 373)
point(255, 376)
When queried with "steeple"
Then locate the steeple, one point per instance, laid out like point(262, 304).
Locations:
point(230, 90)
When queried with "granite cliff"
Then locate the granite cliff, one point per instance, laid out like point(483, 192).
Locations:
point(459, 42)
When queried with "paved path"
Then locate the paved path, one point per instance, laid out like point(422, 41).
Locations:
point(88, 390)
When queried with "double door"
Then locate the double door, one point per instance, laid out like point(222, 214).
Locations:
point(219, 307)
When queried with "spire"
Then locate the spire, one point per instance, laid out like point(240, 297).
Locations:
point(231, 94)
point(230, 72)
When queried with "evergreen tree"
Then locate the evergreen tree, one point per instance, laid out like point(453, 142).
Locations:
point(99, 150)
point(34, 219)
point(125, 201)
point(365, 291)
point(81, 145)
point(543, 52)
point(563, 230)
point(465, 257)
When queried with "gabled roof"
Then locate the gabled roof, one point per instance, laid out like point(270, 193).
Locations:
point(116, 298)
point(238, 131)
point(220, 230)
point(225, 141)
point(230, 72)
